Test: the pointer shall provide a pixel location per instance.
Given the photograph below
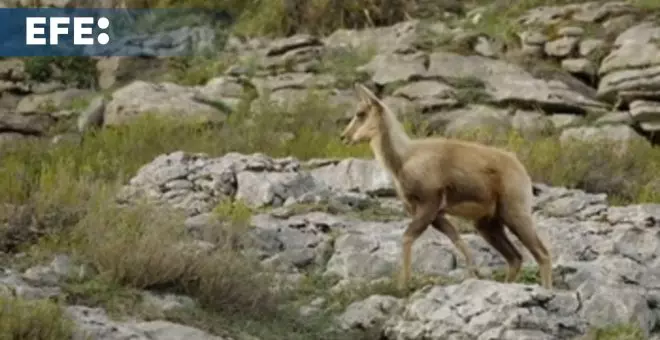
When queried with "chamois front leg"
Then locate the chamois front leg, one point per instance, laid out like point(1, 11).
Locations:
point(410, 208)
point(443, 225)
point(407, 203)
point(425, 213)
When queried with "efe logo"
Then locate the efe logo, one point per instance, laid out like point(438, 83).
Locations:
point(59, 26)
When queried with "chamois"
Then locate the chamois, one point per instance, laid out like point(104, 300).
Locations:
point(437, 176)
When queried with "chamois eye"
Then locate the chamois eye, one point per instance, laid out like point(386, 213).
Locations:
point(361, 114)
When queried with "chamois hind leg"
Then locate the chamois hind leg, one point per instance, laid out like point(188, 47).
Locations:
point(424, 214)
point(520, 222)
point(443, 225)
point(492, 230)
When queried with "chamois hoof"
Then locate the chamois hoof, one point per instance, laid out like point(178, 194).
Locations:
point(401, 286)
point(474, 273)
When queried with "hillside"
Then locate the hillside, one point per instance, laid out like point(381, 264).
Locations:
point(210, 197)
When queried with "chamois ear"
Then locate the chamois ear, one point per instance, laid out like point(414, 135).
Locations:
point(365, 94)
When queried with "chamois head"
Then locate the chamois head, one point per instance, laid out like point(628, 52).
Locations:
point(366, 121)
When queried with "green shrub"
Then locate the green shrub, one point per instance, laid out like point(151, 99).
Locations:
point(54, 182)
point(307, 129)
point(75, 71)
point(616, 332)
point(117, 300)
point(343, 63)
point(628, 176)
point(144, 247)
point(196, 70)
point(66, 192)
point(284, 17)
point(527, 275)
point(33, 320)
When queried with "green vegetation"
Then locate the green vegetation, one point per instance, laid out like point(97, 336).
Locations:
point(338, 299)
point(283, 17)
point(60, 198)
point(33, 319)
point(63, 199)
point(373, 212)
point(499, 19)
point(198, 70)
point(470, 90)
point(117, 300)
point(75, 71)
point(617, 332)
point(625, 173)
point(121, 301)
point(528, 275)
point(342, 64)
point(492, 22)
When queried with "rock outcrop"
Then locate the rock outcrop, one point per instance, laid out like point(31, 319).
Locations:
point(589, 70)
point(598, 61)
point(604, 256)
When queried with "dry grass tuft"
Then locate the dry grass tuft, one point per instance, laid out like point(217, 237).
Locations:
point(33, 319)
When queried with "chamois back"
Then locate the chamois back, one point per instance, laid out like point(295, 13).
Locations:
point(475, 176)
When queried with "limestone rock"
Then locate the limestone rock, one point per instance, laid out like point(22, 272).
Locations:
point(428, 95)
point(165, 99)
point(647, 114)
point(632, 69)
point(50, 102)
point(620, 133)
point(508, 83)
point(388, 68)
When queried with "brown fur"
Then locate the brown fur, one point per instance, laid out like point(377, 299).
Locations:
point(438, 176)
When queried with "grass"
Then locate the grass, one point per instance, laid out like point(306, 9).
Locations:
point(337, 299)
point(284, 17)
point(59, 198)
point(117, 300)
point(492, 24)
point(342, 64)
point(499, 19)
point(63, 195)
point(121, 301)
point(368, 213)
point(428, 40)
point(76, 71)
point(625, 176)
point(53, 183)
point(266, 18)
point(616, 332)
point(144, 248)
point(646, 4)
point(528, 275)
point(199, 69)
point(470, 90)
point(33, 319)
point(288, 325)
point(164, 259)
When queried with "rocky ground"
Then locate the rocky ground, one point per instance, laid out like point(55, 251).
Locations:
point(586, 69)
point(603, 255)
point(339, 219)
point(123, 235)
